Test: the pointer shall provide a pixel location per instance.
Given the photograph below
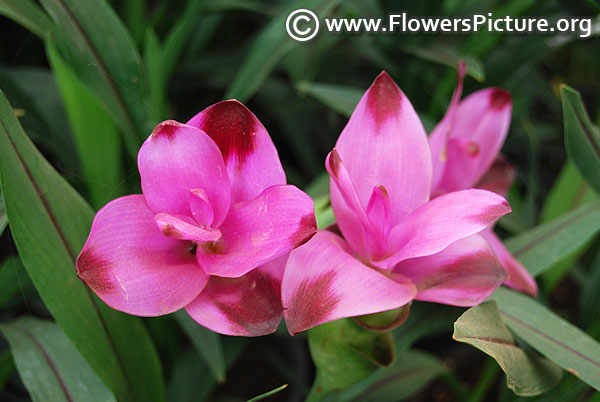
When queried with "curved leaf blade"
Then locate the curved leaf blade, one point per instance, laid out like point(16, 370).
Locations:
point(526, 374)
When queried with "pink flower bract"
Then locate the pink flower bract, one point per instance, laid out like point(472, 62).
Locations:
point(398, 244)
point(466, 154)
point(211, 232)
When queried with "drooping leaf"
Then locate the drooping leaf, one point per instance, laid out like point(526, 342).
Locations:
point(49, 222)
point(541, 247)
point(526, 374)
point(3, 219)
point(344, 353)
point(207, 344)
point(96, 137)
point(96, 45)
point(582, 138)
point(558, 340)
point(6, 367)
point(49, 365)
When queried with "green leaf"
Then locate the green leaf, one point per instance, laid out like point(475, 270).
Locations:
point(154, 59)
point(268, 394)
point(96, 45)
point(411, 372)
point(269, 47)
point(49, 365)
point(178, 37)
point(206, 343)
point(526, 374)
point(12, 279)
point(344, 353)
point(96, 137)
point(582, 138)
point(35, 91)
point(28, 14)
point(447, 56)
point(541, 247)
point(340, 98)
point(49, 222)
point(568, 192)
point(558, 340)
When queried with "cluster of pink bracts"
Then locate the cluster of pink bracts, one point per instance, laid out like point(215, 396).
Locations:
point(217, 230)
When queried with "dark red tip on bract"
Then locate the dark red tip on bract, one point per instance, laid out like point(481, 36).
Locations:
point(167, 128)
point(334, 163)
point(384, 98)
point(232, 127)
point(94, 271)
point(499, 98)
point(312, 302)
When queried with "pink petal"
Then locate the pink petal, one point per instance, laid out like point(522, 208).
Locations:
point(250, 156)
point(384, 143)
point(248, 306)
point(463, 274)
point(132, 267)
point(499, 177)
point(178, 158)
point(518, 277)
point(483, 118)
point(200, 207)
point(350, 213)
point(379, 210)
point(440, 134)
point(323, 282)
point(255, 231)
point(442, 221)
point(178, 227)
point(462, 160)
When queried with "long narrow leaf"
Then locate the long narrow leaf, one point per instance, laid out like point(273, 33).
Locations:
point(558, 340)
point(95, 43)
point(49, 222)
point(582, 138)
point(50, 366)
point(541, 247)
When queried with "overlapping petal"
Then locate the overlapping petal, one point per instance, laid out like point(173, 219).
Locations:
point(384, 143)
point(483, 118)
point(133, 267)
point(248, 306)
point(498, 178)
point(178, 158)
point(249, 154)
point(441, 222)
point(323, 282)
point(255, 231)
point(518, 277)
point(463, 274)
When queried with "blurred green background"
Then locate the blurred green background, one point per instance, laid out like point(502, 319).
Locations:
point(88, 93)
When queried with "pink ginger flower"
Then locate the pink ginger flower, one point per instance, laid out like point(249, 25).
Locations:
point(398, 244)
point(466, 153)
point(210, 233)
